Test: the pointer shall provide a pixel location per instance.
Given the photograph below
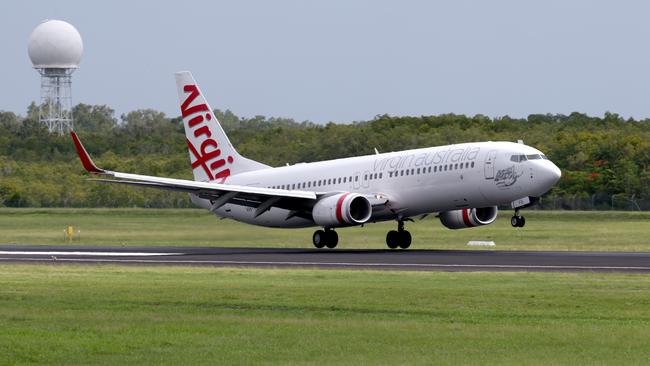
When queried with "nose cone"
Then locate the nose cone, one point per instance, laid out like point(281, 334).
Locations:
point(552, 174)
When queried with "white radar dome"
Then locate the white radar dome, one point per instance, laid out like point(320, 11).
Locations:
point(55, 44)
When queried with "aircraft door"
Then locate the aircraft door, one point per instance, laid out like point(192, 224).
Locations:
point(489, 164)
point(356, 183)
point(366, 180)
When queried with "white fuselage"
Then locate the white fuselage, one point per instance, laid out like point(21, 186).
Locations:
point(415, 182)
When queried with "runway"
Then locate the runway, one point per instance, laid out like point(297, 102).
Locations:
point(414, 260)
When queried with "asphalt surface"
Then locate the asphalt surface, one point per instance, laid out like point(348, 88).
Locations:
point(413, 259)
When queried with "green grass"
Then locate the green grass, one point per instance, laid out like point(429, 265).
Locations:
point(108, 315)
point(560, 230)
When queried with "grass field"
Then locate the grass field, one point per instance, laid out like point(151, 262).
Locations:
point(107, 315)
point(561, 230)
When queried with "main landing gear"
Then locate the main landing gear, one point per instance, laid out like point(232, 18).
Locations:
point(325, 238)
point(400, 238)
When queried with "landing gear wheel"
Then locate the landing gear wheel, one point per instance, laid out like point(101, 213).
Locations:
point(319, 238)
point(325, 238)
point(392, 239)
point(517, 221)
point(404, 239)
point(332, 239)
point(398, 238)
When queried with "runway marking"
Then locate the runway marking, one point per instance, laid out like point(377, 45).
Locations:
point(334, 264)
point(96, 254)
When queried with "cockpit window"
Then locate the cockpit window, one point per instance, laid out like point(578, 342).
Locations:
point(518, 158)
point(533, 157)
point(544, 157)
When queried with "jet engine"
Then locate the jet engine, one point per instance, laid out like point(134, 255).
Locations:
point(343, 209)
point(468, 217)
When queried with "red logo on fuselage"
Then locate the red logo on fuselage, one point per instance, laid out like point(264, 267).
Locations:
point(208, 155)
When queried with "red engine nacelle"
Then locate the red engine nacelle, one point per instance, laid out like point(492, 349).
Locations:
point(469, 217)
point(343, 209)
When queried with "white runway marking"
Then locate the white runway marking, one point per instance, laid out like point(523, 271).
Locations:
point(95, 254)
point(338, 264)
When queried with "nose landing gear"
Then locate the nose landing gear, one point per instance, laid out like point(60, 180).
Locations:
point(400, 238)
point(517, 220)
point(325, 238)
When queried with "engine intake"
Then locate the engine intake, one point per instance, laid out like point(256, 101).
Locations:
point(343, 209)
point(469, 217)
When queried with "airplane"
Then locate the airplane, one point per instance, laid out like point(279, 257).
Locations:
point(462, 183)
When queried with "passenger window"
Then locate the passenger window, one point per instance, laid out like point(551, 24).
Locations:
point(339, 180)
point(380, 175)
point(375, 175)
point(472, 164)
point(344, 179)
point(365, 177)
point(293, 186)
point(356, 179)
point(401, 173)
point(435, 169)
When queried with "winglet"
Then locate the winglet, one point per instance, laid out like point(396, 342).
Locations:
point(86, 161)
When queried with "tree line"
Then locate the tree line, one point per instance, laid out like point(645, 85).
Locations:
point(605, 155)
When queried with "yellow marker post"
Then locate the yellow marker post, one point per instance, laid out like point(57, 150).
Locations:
point(69, 232)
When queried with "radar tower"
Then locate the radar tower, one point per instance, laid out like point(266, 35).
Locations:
point(55, 49)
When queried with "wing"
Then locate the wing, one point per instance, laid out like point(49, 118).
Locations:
point(219, 194)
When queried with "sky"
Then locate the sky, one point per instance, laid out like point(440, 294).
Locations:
point(346, 60)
